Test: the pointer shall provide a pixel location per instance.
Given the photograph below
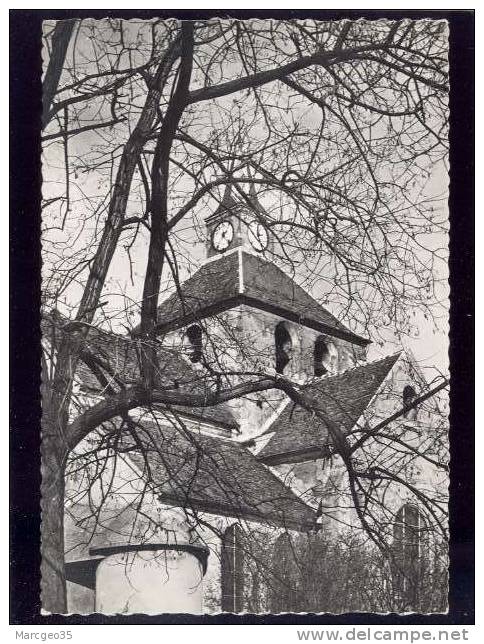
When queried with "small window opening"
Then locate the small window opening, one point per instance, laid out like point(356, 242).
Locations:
point(409, 395)
point(194, 336)
point(321, 355)
point(283, 347)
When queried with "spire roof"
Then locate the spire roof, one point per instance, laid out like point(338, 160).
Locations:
point(226, 205)
point(256, 204)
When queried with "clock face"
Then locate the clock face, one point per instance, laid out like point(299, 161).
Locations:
point(222, 236)
point(258, 236)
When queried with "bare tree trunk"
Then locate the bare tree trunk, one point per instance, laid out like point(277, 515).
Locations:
point(60, 42)
point(55, 439)
point(53, 455)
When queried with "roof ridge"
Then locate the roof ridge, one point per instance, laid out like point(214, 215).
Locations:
point(48, 317)
point(152, 424)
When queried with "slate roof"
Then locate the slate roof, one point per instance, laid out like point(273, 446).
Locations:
point(243, 278)
point(216, 282)
point(219, 475)
point(192, 471)
point(298, 435)
point(118, 357)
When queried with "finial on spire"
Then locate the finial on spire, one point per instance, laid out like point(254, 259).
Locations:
point(226, 204)
point(227, 196)
point(228, 201)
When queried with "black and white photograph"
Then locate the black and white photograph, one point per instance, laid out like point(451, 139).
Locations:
point(244, 312)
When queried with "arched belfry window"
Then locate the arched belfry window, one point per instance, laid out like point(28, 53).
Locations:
point(409, 531)
point(325, 357)
point(283, 344)
point(321, 355)
point(232, 570)
point(193, 342)
point(408, 396)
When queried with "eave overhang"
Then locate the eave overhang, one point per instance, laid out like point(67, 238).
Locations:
point(280, 311)
point(225, 509)
point(299, 456)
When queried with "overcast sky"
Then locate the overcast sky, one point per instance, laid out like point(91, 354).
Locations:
point(430, 347)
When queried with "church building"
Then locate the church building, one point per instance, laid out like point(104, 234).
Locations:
point(196, 510)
